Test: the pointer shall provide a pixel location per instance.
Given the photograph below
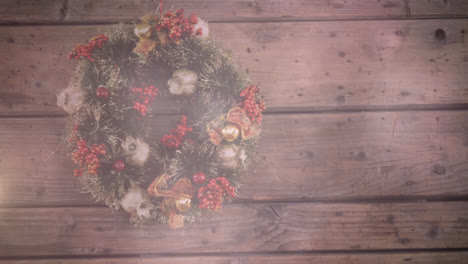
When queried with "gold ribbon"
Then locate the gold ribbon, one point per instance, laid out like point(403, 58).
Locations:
point(178, 198)
point(236, 116)
point(144, 32)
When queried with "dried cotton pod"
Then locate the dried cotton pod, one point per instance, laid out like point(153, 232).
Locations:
point(228, 156)
point(136, 150)
point(135, 198)
point(71, 98)
point(144, 210)
point(182, 82)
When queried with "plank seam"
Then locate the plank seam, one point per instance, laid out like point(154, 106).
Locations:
point(309, 110)
point(299, 20)
point(407, 8)
point(377, 108)
point(344, 200)
point(63, 11)
point(242, 254)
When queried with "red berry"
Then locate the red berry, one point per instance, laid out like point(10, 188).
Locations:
point(118, 165)
point(199, 178)
point(102, 92)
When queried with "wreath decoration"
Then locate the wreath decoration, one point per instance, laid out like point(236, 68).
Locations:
point(120, 77)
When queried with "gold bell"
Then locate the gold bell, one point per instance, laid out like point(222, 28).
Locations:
point(183, 203)
point(230, 132)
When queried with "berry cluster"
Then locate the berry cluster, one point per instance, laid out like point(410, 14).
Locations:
point(253, 107)
point(73, 135)
point(177, 26)
point(87, 158)
point(175, 138)
point(144, 98)
point(85, 51)
point(211, 195)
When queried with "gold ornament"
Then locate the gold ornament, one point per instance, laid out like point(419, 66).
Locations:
point(239, 117)
point(177, 198)
point(145, 44)
point(142, 30)
point(183, 203)
point(230, 132)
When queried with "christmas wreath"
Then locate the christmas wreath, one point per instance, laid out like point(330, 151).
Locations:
point(121, 75)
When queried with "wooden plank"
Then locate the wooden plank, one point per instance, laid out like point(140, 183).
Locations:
point(326, 157)
point(31, 11)
point(51, 11)
point(431, 8)
point(235, 10)
point(241, 228)
point(105, 11)
point(309, 65)
point(349, 258)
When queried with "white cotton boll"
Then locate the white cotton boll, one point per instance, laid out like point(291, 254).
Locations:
point(182, 82)
point(136, 150)
point(204, 27)
point(144, 210)
point(175, 86)
point(228, 155)
point(189, 89)
point(134, 197)
point(71, 98)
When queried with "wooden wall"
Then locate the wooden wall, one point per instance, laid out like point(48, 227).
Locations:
point(364, 154)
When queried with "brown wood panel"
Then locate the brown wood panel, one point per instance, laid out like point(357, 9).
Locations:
point(348, 258)
point(306, 65)
point(325, 156)
point(241, 228)
point(430, 8)
point(31, 11)
point(104, 11)
point(52, 11)
point(236, 10)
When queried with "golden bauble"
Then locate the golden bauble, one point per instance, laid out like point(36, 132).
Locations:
point(142, 30)
point(230, 132)
point(183, 203)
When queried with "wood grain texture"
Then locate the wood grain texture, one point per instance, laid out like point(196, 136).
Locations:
point(325, 181)
point(105, 11)
point(309, 65)
point(348, 258)
point(52, 11)
point(430, 8)
point(326, 157)
point(31, 11)
point(218, 10)
point(241, 228)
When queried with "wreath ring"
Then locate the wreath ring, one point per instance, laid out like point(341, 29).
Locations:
point(191, 171)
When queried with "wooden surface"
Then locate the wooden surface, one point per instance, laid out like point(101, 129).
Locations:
point(364, 154)
point(344, 258)
point(303, 66)
point(241, 228)
point(106, 11)
point(374, 155)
